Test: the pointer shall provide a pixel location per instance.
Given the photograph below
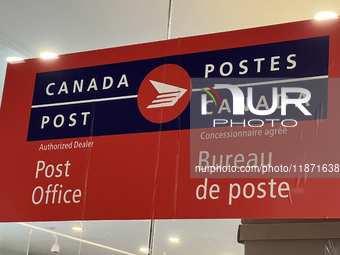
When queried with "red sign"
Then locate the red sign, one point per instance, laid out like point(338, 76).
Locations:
point(106, 134)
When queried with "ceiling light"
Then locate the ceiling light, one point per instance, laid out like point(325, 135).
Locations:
point(14, 59)
point(174, 240)
point(79, 229)
point(326, 15)
point(144, 250)
point(48, 55)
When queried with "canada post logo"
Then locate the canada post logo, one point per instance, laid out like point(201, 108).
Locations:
point(168, 95)
point(165, 94)
point(106, 100)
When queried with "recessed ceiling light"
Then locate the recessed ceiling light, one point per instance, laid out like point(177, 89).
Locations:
point(174, 240)
point(48, 55)
point(144, 250)
point(79, 229)
point(326, 15)
point(14, 59)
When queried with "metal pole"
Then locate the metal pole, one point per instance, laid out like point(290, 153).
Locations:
point(152, 229)
point(169, 20)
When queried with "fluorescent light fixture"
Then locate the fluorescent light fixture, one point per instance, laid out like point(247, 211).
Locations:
point(144, 250)
point(326, 15)
point(174, 239)
point(14, 59)
point(48, 55)
point(79, 229)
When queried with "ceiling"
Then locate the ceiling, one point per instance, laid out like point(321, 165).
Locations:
point(67, 26)
point(28, 27)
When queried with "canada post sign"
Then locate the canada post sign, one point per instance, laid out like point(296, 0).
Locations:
point(125, 98)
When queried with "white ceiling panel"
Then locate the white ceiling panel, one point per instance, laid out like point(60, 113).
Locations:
point(191, 17)
point(67, 26)
point(28, 28)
